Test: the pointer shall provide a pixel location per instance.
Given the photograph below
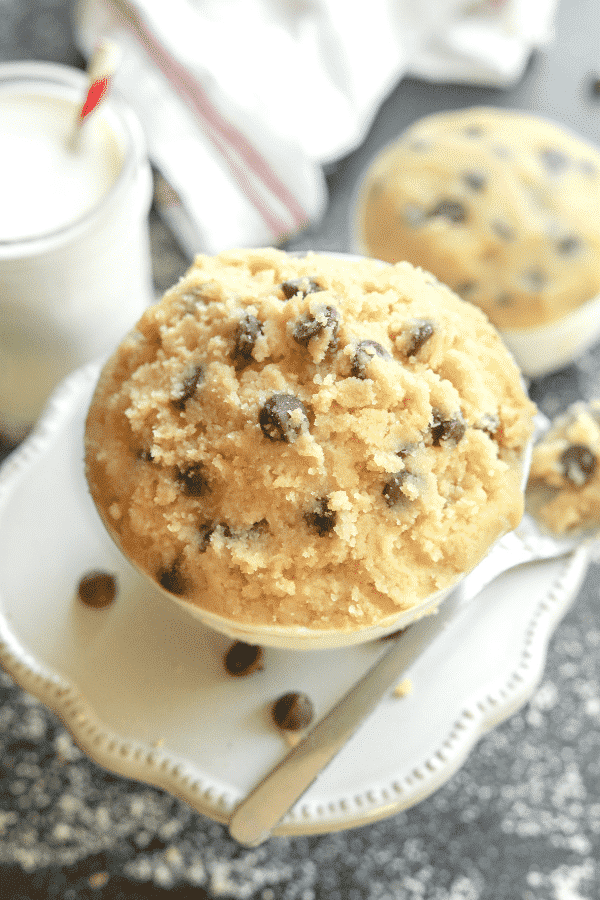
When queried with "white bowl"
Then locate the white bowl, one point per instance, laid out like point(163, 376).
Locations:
point(547, 348)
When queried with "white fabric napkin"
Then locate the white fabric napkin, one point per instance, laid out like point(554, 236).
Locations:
point(244, 101)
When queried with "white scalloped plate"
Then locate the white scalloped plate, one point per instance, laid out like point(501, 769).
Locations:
point(143, 690)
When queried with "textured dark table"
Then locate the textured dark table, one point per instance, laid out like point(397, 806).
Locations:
point(519, 821)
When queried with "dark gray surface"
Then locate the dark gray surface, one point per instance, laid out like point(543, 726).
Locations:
point(520, 821)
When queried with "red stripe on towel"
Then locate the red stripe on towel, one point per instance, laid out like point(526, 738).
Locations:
point(230, 142)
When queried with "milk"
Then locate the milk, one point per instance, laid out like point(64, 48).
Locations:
point(75, 268)
point(46, 183)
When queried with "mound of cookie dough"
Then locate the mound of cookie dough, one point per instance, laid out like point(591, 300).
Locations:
point(307, 441)
point(501, 206)
point(567, 460)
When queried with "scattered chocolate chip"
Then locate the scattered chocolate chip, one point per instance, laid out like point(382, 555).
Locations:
point(303, 286)
point(569, 245)
point(473, 131)
point(243, 659)
point(475, 180)
point(293, 711)
point(321, 518)
point(502, 230)
point(501, 151)
point(451, 430)
point(364, 353)
point(172, 579)
point(144, 455)
point(504, 299)
point(275, 418)
point(595, 87)
point(310, 325)
point(246, 335)
point(554, 160)
point(578, 464)
point(453, 210)
point(188, 388)
point(392, 490)
point(97, 589)
point(419, 333)
point(194, 481)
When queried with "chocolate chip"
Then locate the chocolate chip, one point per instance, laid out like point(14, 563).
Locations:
point(504, 299)
point(465, 288)
point(554, 160)
point(243, 659)
point(275, 418)
point(569, 245)
point(293, 711)
point(302, 286)
point(473, 131)
point(310, 325)
point(188, 388)
point(578, 464)
point(364, 353)
point(144, 455)
point(97, 589)
point(193, 481)
point(246, 335)
point(321, 518)
point(502, 230)
point(453, 210)
point(392, 490)
point(419, 333)
point(475, 180)
point(450, 430)
point(172, 579)
point(535, 279)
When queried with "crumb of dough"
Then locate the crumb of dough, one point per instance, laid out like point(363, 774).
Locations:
point(502, 206)
point(309, 441)
point(403, 688)
point(567, 460)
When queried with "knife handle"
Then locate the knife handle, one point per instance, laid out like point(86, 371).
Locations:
point(253, 820)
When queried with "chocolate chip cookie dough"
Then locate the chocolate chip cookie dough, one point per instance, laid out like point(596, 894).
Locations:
point(568, 460)
point(500, 205)
point(307, 441)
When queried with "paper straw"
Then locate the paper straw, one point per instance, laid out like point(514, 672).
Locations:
point(100, 70)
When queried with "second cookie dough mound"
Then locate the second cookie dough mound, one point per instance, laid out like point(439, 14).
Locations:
point(502, 206)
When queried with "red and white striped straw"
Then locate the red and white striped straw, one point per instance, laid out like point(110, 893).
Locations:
point(100, 70)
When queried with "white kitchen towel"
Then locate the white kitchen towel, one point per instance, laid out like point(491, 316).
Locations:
point(244, 101)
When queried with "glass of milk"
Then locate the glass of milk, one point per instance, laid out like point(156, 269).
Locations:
point(75, 266)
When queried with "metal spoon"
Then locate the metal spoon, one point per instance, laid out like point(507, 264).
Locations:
point(255, 817)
